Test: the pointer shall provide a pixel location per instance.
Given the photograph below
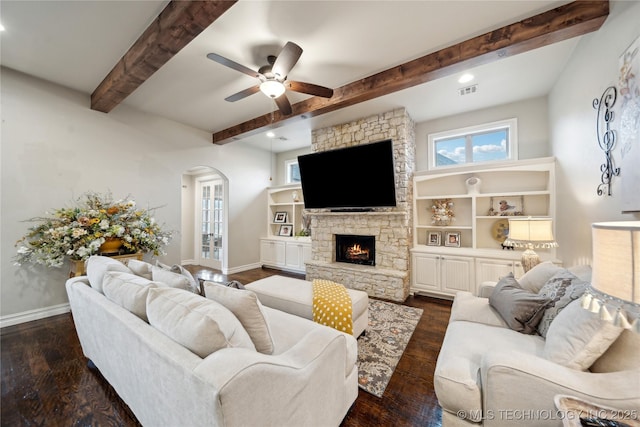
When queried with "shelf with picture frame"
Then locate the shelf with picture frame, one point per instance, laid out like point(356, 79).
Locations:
point(483, 198)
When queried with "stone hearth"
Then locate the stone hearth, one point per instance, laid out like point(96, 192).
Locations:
point(389, 278)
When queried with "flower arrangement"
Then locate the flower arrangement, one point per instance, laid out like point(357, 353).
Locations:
point(442, 210)
point(78, 232)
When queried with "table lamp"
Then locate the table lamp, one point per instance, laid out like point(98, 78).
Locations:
point(615, 282)
point(530, 233)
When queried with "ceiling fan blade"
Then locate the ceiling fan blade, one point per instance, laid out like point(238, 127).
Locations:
point(283, 104)
point(232, 64)
point(243, 94)
point(285, 61)
point(309, 88)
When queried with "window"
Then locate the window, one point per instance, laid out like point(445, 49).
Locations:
point(293, 171)
point(484, 143)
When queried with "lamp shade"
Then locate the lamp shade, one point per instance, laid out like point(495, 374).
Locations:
point(538, 232)
point(616, 259)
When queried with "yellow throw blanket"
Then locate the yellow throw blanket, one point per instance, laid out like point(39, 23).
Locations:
point(332, 305)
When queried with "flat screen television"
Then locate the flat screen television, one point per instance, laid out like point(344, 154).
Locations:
point(353, 178)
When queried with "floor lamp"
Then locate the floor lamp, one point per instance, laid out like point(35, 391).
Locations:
point(615, 284)
point(530, 233)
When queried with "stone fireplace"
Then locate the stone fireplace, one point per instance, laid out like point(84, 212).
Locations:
point(387, 274)
point(356, 249)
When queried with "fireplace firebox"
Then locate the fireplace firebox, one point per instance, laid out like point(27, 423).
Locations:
point(356, 249)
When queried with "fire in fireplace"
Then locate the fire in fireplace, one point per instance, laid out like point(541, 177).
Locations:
point(356, 249)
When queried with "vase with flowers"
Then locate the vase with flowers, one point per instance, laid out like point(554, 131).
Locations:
point(442, 212)
point(80, 231)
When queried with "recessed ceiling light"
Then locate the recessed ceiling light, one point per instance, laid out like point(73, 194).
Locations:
point(270, 134)
point(465, 78)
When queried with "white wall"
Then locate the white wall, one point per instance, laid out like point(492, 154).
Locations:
point(54, 148)
point(590, 70)
point(281, 158)
point(533, 129)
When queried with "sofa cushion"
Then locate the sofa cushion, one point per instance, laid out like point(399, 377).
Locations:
point(622, 355)
point(129, 291)
point(180, 270)
point(561, 289)
point(199, 324)
point(534, 279)
point(170, 279)
point(578, 337)
point(457, 380)
point(244, 304)
point(140, 268)
point(98, 265)
point(520, 309)
point(471, 308)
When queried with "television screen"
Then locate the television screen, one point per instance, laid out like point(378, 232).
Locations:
point(352, 178)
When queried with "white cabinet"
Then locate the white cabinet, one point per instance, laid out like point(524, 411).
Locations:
point(297, 254)
point(272, 253)
point(442, 263)
point(442, 274)
point(492, 269)
point(284, 211)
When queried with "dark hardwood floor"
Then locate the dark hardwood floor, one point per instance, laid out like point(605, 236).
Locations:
point(46, 381)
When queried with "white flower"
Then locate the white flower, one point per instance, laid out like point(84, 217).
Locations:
point(104, 224)
point(77, 232)
point(23, 250)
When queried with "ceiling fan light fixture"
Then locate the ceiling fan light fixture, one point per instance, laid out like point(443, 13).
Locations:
point(272, 88)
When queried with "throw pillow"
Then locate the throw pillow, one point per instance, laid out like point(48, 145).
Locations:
point(521, 309)
point(622, 355)
point(577, 337)
point(178, 269)
point(170, 279)
point(128, 291)
point(140, 268)
point(244, 304)
point(561, 289)
point(199, 324)
point(98, 265)
point(534, 279)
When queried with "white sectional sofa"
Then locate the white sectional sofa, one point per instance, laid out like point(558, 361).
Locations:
point(489, 374)
point(159, 367)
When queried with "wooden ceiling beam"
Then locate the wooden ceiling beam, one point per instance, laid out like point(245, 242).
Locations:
point(177, 25)
point(565, 22)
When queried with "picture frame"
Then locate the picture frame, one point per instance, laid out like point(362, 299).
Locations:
point(506, 206)
point(285, 230)
point(452, 239)
point(280, 217)
point(433, 238)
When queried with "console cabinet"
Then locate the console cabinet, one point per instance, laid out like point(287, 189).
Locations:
point(282, 248)
point(483, 199)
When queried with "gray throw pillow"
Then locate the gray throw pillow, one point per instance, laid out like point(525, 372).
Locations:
point(562, 288)
point(521, 309)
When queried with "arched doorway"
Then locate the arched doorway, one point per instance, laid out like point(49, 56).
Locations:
point(204, 217)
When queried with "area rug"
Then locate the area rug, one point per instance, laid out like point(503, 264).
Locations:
point(380, 349)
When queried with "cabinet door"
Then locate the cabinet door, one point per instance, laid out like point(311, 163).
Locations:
point(293, 257)
point(426, 272)
point(488, 269)
point(457, 274)
point(272, 252)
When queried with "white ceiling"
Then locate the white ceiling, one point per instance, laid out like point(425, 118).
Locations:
point(76, 43)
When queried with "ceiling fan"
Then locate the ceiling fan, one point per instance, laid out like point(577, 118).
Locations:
point(273, 78)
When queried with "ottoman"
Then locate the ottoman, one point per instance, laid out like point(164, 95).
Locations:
point(295, 296)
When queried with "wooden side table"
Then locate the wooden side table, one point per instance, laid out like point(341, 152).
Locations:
point(78, 268)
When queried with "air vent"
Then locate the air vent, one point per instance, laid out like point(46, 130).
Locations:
point(468, 90)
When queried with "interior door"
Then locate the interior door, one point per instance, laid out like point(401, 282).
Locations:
point(210, 222)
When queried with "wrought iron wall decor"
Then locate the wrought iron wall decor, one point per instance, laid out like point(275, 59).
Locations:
point(606, 137)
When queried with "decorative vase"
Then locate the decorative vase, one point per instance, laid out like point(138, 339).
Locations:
point(111, 245)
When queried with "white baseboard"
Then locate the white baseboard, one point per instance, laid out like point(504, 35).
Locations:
point(30, 315)
point(242, 268)
point(188, 262)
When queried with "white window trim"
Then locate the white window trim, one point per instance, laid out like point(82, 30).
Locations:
point(287, 168)
point(512, 124)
